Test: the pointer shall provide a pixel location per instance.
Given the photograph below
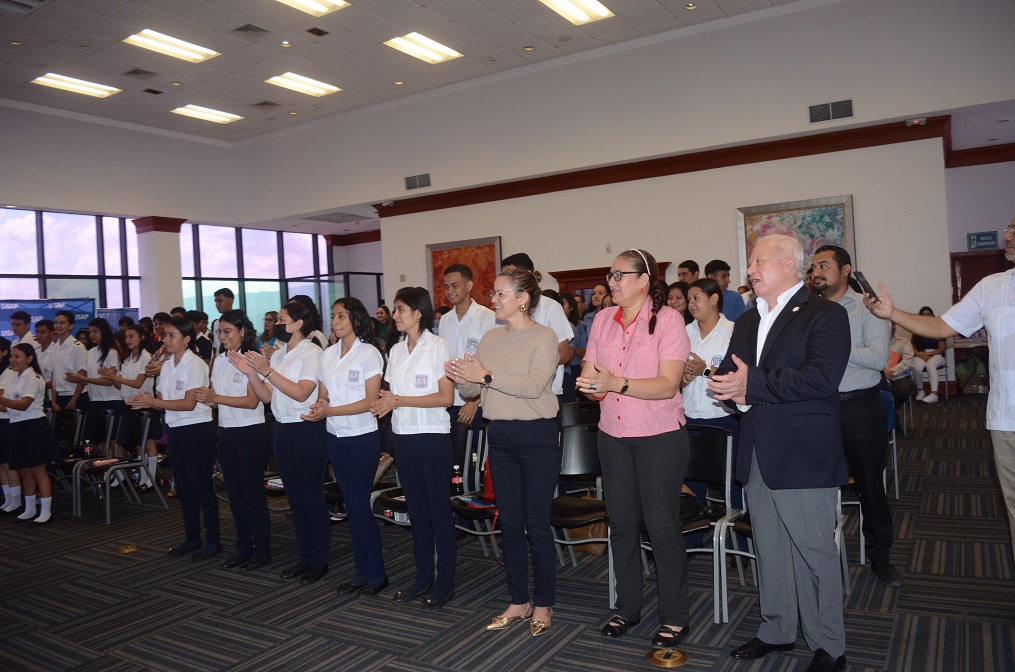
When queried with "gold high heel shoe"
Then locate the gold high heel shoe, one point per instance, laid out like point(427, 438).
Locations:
point(538, 628)
point(505, 622)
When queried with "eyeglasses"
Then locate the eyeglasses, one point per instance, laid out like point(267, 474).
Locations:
point(499, 296)
point(1008, 231)
point(617, 275)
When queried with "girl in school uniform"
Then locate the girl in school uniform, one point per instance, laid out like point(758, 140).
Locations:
point(242, 442)
point(8, 477)
point(102, 395)
point(191, 434)
point(419, 398)
point(130, 379)
point(32, 443)
point(289, 381)
point(350, 382)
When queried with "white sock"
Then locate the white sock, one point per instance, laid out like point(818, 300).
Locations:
point(14, 501)
point(7, 496)
point(29, 508)
point(153, 465)
point(44, 509)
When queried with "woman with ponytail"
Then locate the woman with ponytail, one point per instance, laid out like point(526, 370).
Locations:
point(633, 366)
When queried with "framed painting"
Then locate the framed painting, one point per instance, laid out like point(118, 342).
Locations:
point(816, 222)
point(482, 255)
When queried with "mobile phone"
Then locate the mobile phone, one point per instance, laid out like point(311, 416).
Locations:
point(866, 285)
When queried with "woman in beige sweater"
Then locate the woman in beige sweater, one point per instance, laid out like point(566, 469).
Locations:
point(513, 372)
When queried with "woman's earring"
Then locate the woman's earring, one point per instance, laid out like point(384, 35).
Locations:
point(642, 290)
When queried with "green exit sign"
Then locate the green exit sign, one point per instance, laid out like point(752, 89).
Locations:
point(985, 240)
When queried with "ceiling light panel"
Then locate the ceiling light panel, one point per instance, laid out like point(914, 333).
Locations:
point(170, 46)
point(316, 7)
point(301, 84)
point(207, 114)
point(579, 12)
point(75, 85)
point(423, 48)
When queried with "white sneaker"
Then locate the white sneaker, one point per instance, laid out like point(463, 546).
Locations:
point(930, 398)
point(920, 395)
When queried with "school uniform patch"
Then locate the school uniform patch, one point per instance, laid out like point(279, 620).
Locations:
point(238, 377)
point(716, 361)
point(354, 375)
point(472, 344)
point(180, 385)
point(422, 381)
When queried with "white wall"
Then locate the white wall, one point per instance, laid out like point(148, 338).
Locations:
point(980, 198)
point(899, 210)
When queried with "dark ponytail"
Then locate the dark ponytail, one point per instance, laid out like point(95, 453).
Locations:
point(643, 262)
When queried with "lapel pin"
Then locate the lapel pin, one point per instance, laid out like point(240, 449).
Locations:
point(796, 308)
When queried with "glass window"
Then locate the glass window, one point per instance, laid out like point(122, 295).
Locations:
point(187, 250)
point(364, 288)
point(261, 297)
point(17, 231)
point(308, 287)
point(111, 241)
point(19, 288)
point(323, 250)
point(135, 293)
point(114, 294)
point(72, 288)
point(208, 289)
point(260, 254)
point(218, 251)
point(69, 244)
point(299, 256)
point(190, 295)
point(133, 268)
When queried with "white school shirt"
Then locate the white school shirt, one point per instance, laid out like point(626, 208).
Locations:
point(27, 338)
point(229, 381)
point(176, 379)
point(464, 335)
point(45, 358)
point(68, 357)
point(92, 364)
point(416, 374)
point(698, 399)
point(6, 378)
point(300, 363)
point(991, 304)
point(28, 384)
point(345, 379)
point(131, 369)
point(550, 314)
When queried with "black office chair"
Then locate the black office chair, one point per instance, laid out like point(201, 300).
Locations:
point(579, 413)
point(481, 515)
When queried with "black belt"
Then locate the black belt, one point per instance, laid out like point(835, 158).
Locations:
point(857, 394)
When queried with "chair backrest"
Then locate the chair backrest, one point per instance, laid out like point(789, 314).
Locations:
point(96, 427)
point(711, 454)
point(132, 430)
point(579, 413)
point(889, 401)
point(579, 455)
point(66, 424)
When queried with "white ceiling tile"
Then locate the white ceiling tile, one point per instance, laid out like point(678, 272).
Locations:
point(289, 63)
point(523, 10)
point(386, 9)
point(8, 19)
point(111, 29)
point(182, 29)
point(38, 64)
point(698, 17)
point(446, 33)
point(733, 9)
point(645, 17)
point(470, 46)
point(419, 20)
point(347, 42)
point(40, 30)
point(484, 21)
point(456, 9)
point(60, 52)
point(353, 18)
point(98, 7)
point(611, 26)
point(314, 52)
point(173, 6)
point(624, 7)
point(104, 63)
point(548, 26)
point(278, 17)
point(138, 15)
point(254, 53)
point(222, 42)
point(63, 15)
point(76, 37)
point(509, 35)
point(578, 47)
point(214, 17)
point(621, 36)
point(661, 27)
point(382, 31)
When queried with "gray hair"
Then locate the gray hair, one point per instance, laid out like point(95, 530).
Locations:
point(788, 246)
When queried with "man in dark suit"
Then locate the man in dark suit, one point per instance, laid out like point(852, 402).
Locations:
point(782, 369)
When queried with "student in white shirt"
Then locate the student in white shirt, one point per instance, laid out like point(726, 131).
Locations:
point(243, 441)
point(350, 382)
point(191, 437)
point(129, 378)
point(68, 358)
point(32, 443)
point(44, 337)
point(21, 325)
point(102, 396)
point(10, 478)
point(289, 382)
point(418, 400)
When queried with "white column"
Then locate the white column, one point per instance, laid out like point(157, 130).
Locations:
point(158, 255)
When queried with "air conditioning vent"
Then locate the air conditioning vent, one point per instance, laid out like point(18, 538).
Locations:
point(317, 31)
point(140, 73)
point(840, 109)
point(266, 105)
point(154, 92)
point(21, 6)
point(417, 181)
point(250, 31)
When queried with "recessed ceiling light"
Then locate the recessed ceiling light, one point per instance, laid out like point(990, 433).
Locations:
point(170, 46)
point(16, 43)
point(286, 43)
point(690, 5)
point(207, 114)
point(293, 113)
point(175, 83)
point(423, 48)
point(528, 48)
point(992, 139)
point(316, 7)
point(10, 206)
point(399, 83)
point(311, 87)
point(75, 85)
point(579, 12)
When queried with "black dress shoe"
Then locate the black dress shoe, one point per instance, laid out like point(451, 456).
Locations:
point(208, 551)
point(314, 574)
point(668, 638)
point(410, 594)
point(183, 549)
point(235, 561)
point(887, 574)
point(759, 649)
point(823, 662)
point(373, 590)
point(618, 625)
point(348, 588)
point(255, 563)
point(294, 572)
point(432, 603)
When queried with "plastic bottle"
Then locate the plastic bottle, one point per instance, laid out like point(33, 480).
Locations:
point(457, 486)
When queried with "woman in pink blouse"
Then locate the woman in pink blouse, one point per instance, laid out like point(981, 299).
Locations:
point(633, 365)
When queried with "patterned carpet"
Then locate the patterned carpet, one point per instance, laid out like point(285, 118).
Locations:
point(70, 601)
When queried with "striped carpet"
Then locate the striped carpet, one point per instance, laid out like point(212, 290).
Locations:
point(70, 601)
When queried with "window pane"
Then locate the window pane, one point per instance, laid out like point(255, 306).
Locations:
point(302, 287)
point(299, 256)
point(17, 231)
point(69, 244)
point(19, 288)
point(72, 288)
point(208, 289)
point(261, 297)
point(260, 254)
point(135, 293)
point(187, 250)
point(364, 288)
point(218, 251)
point(114, 294)
point(323, 250)
point(189, 295)
point(329, 292)
point(111, 241)
point(132, 265)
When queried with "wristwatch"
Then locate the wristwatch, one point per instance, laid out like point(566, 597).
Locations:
point(487, 379)
point(627, 384)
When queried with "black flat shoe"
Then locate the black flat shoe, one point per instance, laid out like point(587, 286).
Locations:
point(373, 590)
point(314, 574)
point(410, 594)
point(182, 549)
point(758, 649)
point(348, 588)
point(235, 561)
point(207, 552)
point(887, 574)
point(431, 603)
point(294, 572)
point(668, 638)
point(255, 563)
point(617, 626)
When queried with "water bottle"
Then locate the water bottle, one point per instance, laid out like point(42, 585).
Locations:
point(457, 487)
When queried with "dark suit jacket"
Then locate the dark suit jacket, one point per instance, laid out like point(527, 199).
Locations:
point(793, 423)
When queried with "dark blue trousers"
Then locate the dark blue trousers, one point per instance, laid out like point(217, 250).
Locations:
point(302, 459)
point(243, 452)
point(354, 462)
point(525, 463)
point(192, 454)
point(424, 470)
